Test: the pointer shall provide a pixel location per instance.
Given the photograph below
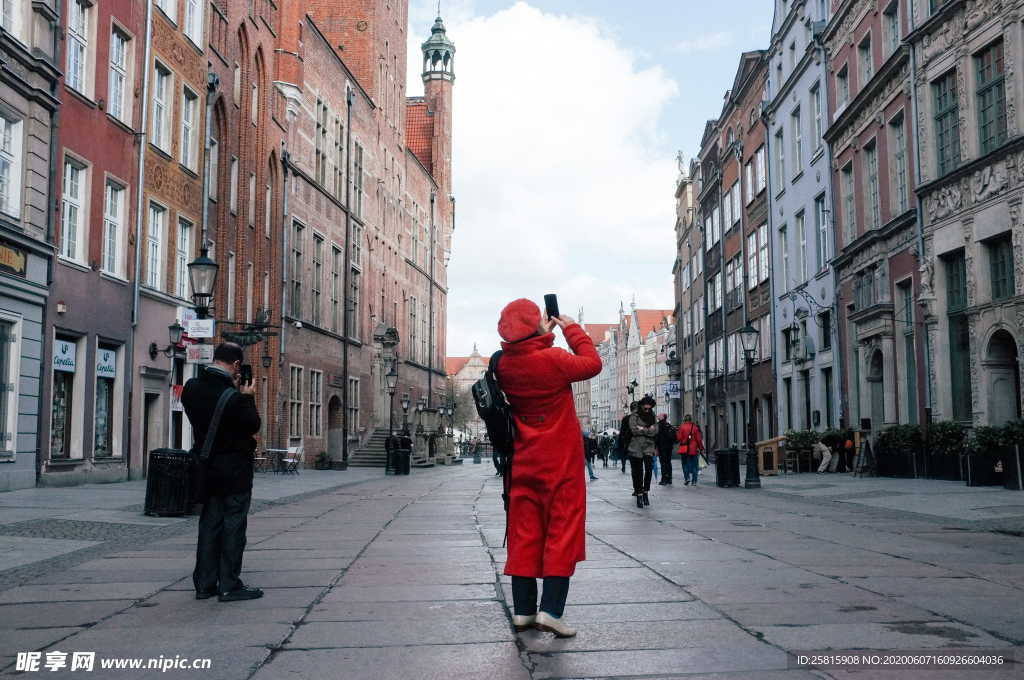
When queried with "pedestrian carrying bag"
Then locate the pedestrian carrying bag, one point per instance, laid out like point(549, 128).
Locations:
point(200, 457)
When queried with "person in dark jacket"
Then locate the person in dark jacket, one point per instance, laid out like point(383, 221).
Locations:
point(589, 454)
point(665, 441)
point(625, 434)
point(228, 474)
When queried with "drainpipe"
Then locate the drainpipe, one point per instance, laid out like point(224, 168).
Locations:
point(430, 307)
point(350, 97)
point(212, 83)
point(283, 341)
point(920, 214)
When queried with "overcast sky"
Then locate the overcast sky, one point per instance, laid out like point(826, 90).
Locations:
point(568, 115)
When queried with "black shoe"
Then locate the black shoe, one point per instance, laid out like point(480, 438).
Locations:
point(241, 593)
point(205, 594)
point(686, 483)
point(647, 500)
point(639, 501)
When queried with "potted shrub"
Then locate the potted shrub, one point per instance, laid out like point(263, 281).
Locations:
point(895, 450)
point(322, 461)
point(986, 450)
point(1013, 435)
point(945, 446)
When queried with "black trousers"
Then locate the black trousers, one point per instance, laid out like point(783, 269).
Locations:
point(552, 601)
point(666, 466)
point(642, 469)
point(221, 543)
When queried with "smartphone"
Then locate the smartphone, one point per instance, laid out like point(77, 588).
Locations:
point(246, 375)
point(551, 305)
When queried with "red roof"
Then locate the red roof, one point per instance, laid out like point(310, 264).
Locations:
point(648, 319)
point(453, 365)
point(596, 331)
point(419, 133)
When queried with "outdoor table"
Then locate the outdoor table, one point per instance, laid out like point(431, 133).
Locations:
point(274, 457)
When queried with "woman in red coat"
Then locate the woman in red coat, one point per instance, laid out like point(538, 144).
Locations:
point(548, 497)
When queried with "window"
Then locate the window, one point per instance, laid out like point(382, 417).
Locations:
point(871, 166)
point(816, 112)
point(798, 151)
point(1000, 253)
point(295, 402)
point(801, 251)
point(734, 199)
point(119, 81)
point(821, 230)
point(113, 227)
point(849, 205)
point(170, 8)
point(267, 200)
point(898, 153)
point(212, 167)
point(62, 423)
point(353, 404)
point(991, 97)
point(189, 131)
point(194, 21)
point(352, 320)
point(316, 388)
point(254, 102)
point(236, 85)
point(956, 281)
point(752, 278)
point(825, 327)
point(727, 209)
point(161, 131)
point(10, 166)
point(106, 440)
point(780, 159)
point(297, 270)
point(826, 379)
point(73, 238)
point(77, 44)
point(320, 141)
point(866, 61)
point(762, 169)
point(762, 252)
point(906, 297)
point(959, 334)
point(413, 328)
point(357, 181)
point(154, 246)
point(335, 288)
point(748, 175)
point(784, 247)
point(9, 15)
point(266, 290)
point(251, 208)
point(764, 337)
point(182, 255)
point(787, 390)
point(947, 123)
point(842, 88)
point(10, 361)
point(318, 273)
point(248, 292)
point(339, 159)
point(233, 189)
point(891, 25)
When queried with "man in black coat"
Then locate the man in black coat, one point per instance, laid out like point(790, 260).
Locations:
point(228, 474)
point(665, 442)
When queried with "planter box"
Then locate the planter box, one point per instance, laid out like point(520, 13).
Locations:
point(896, 464)
point(980, 470)
point(1012, 468)
point(944, 467)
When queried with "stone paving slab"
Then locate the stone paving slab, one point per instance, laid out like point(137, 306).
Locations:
point(659, 611)
point(448, 627)
point(73, 592)
point(404, 593)
point(894, 636)
point(29, 640)
point(605, 664)
point(809, 613)
point(633, 635)
point(58, 614)
point(20, 550)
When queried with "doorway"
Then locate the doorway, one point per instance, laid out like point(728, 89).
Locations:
point(1003, 371)
point(152, 427)
point(334, 448)
point(876, 391)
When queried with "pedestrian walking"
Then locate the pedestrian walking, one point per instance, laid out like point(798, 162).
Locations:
point(690, 447)
point(547, 494)
point(605, 447)
point(642, 449)
point(829, 462)
point(219, 405)
point(625, 434)
point(665, 441)
point(589, 453)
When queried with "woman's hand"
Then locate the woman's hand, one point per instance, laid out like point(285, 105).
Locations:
point(562, 321)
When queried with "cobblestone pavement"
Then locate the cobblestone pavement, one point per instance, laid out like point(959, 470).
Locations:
point(400, 578)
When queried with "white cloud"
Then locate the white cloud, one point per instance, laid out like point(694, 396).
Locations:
point(705, 43)
point(562, 180)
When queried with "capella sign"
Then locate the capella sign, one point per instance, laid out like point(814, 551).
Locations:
point(63, 356)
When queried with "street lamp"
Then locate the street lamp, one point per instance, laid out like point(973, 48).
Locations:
point(202, 273)
point(405, 412)
point(174, 332)
point(392, 381)
point(748, 339)
point(267, 360)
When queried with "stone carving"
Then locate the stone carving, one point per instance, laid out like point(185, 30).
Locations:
point(988, 182)
point(980, 11)
point(944, 202)
point(927, 270)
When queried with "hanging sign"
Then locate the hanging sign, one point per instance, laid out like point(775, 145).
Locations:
point(106, 363)
point(64, 356)
point(12, 259)
point(199, 328)
point(176, 405)
point(199, 354)
point(672, 389)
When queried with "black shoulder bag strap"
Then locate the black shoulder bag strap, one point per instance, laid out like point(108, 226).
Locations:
point(218, 411)
point(506, 462)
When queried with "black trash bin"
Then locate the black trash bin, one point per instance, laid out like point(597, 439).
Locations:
point(404, 461)
point(169, 483)
point(727, 467)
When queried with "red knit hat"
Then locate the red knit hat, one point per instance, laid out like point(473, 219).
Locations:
point(519, 320)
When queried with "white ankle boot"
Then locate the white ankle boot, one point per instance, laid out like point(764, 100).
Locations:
point(551, 624)
point(523, 622)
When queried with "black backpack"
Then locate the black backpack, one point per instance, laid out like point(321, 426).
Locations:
point(493, 409)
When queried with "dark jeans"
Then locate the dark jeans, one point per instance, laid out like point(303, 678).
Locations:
point(221, 542)
point(691, 467)
point(524, 595)
point(642, 469)
point(666, 467)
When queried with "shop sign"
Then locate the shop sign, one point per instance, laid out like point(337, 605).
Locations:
point(64, 356)
point(176, 405)
point(199, 328)
point(106, 363)
point(672, 389)
point(12, 260)
point(199, 354)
